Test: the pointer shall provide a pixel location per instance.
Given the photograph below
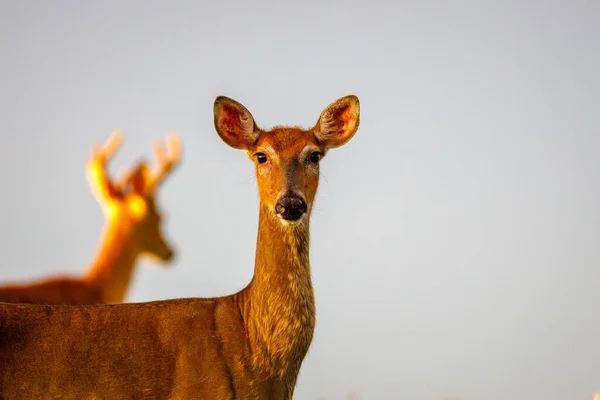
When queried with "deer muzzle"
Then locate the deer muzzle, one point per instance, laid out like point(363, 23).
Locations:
point(290, 207)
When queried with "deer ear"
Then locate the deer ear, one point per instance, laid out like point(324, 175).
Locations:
point(234, 123)
point(338, 122)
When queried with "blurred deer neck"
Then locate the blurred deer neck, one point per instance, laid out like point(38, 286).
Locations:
point(112, 269)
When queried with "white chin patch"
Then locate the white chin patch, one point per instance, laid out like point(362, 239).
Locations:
point(286, 222)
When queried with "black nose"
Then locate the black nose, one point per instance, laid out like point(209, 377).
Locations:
point(291, 208)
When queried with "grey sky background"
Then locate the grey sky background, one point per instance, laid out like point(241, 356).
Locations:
point(455, 238)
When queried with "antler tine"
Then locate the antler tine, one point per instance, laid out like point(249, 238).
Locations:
point(112, 144)
point(100, 183)
point(166, 163)
point(174, 144)
point(103, 153)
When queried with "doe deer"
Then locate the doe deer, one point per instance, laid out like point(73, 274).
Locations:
point(132, 228)
point(248, 345)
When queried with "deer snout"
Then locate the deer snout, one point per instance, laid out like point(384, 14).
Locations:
point(166, 255)
point(290, 207)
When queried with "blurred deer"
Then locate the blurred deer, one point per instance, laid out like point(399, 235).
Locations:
point(248, 345)
point(132, 229)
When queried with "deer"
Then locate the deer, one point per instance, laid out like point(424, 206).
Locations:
point(246, 345)
point(132, 229)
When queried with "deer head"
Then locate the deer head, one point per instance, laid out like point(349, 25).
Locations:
point(129, 201)
point(287, 159)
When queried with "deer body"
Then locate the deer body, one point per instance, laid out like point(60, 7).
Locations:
point(132, 229)
point(177, 352)
point(248, 345)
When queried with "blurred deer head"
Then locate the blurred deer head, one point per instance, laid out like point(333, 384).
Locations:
point(128, 202)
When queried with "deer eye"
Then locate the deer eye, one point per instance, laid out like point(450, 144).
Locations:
point(261, 157)
point(315, 157)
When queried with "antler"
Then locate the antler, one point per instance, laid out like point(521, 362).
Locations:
point(100, 183)
point(165, 163)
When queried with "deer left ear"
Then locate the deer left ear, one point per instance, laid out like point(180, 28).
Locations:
point(338, 122)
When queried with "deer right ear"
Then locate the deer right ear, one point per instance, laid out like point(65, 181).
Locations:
point(338, 122)
point(234, 123)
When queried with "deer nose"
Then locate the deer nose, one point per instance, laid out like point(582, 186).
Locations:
point(291, 208)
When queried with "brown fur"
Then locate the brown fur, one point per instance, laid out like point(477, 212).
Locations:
point(133, 228)
point(249, 345)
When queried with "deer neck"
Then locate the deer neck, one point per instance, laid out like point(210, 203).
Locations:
point(281, 307)
point(112, 268)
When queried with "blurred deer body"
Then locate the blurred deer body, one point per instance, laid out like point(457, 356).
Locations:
point(248, 345)
point(132, 228)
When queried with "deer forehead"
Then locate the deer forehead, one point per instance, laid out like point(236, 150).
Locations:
point(287, 142)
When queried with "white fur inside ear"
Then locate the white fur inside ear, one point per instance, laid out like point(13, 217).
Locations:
point(338, 122)
point(247, 125)
point(328, 126)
